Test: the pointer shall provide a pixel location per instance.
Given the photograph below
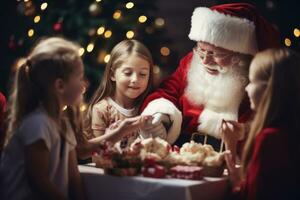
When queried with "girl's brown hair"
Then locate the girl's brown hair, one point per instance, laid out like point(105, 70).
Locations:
point(119, 54)
point(49, 60)
point(280, 104)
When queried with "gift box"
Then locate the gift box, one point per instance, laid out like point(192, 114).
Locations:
point(187, 172)
point(154, 171)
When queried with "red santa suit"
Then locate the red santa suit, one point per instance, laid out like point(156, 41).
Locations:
point(172, 99)
point(236, 27)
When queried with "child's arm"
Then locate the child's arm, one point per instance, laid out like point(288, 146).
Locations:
point(232, 132)
point(121, 128)
point(37, 164)
point(76, 190)
point(86, 149)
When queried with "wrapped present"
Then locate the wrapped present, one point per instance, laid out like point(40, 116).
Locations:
point(187, 172)
point(153, 170)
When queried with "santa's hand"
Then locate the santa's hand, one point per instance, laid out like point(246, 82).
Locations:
point(161, 117)
point(156, 127)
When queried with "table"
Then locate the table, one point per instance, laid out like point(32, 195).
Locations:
point(101, 186)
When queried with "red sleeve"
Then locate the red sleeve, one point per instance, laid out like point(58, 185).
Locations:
point(173, 86)
point(267, 173)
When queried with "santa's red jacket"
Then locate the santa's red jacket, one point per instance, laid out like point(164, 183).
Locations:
point(170, 99)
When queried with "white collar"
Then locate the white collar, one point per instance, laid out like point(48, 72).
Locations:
point(127, 112)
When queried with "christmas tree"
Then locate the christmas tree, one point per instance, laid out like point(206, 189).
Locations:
point(96, 25)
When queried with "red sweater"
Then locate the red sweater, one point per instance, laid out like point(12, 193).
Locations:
point(271, 173)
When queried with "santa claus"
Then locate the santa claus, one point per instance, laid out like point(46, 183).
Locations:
point(209, 84)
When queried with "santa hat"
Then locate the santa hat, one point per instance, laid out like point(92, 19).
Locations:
point(237, 27)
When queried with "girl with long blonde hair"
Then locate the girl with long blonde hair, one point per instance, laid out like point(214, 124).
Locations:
point(270, 162)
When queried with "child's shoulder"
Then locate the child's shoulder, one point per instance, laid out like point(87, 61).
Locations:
point(101, 105)
point(37, 118)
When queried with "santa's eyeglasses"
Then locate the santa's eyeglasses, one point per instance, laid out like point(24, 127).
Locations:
point(207, 54)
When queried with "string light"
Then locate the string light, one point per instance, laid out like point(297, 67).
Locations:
point(296, 32)
point(159, 22)
point(106, 58)
point(81, 51)
point(129, 5)
point(65, 108)
point(165, 51)
point(30, 32)
point(107, 34)
point(100, 30)
point(117, 14)
point(37, 19)
point(287, 42)
point(156, 69)
point(90, 47)
point(83, 108)
point(142, 19)
point(129, 34)
point(44, 6)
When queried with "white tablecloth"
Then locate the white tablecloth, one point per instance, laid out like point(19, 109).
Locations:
point(106, 187)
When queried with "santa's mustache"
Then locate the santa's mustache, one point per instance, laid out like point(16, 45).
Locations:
point(220, 69)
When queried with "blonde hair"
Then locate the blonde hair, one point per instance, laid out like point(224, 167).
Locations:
point(280, 103)
point(119, 54)
point(49, 60)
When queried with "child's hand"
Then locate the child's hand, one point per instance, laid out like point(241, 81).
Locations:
point(128, 125)
point(232, 132)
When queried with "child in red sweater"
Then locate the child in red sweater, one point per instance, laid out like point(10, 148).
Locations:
point(270, 163)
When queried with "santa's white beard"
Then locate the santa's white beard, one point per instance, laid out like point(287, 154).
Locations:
point(220, 94)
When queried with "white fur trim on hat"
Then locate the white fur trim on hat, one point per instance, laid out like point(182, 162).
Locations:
point(221, 30)
point(165, 106)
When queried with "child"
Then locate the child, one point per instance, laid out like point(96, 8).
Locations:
point(127, 79)
point(39, 159)
point(271, 156)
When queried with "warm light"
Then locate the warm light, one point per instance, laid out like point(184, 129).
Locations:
point(81, 51)
point(156, 69)
point(287, 42)
point(98, 0)
point(90, 47)
point(44, 6)
point(106, 58)
point(165, 51)
point(30, 32)
point(24, 0)
point(83, 108)
point(142, 19)
point(65, 107)
point(159, 22)
point(37, 19)
point(296, 32)
point(117, 14)
point(129, 34)
point(107, 34)
point(129, 5)
point(100, 30)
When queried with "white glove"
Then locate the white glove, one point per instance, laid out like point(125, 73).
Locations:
point(156, 127)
